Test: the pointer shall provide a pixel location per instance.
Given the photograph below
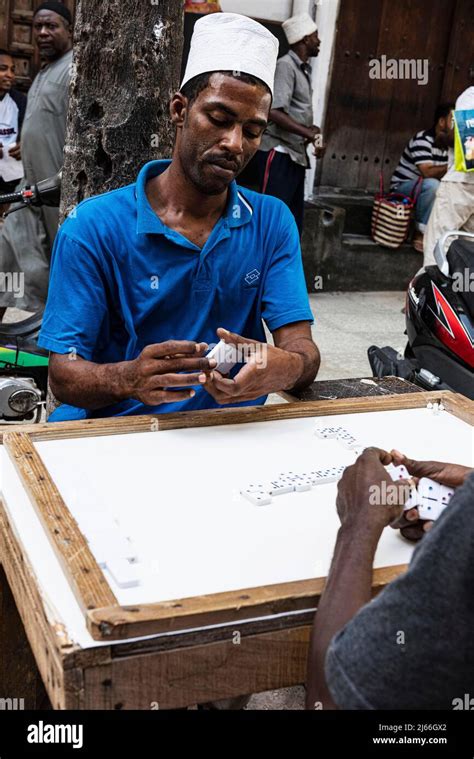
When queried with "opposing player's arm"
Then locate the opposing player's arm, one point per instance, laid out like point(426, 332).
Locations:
point(349, 584)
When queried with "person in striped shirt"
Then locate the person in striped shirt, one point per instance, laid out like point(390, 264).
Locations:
point(424, 157)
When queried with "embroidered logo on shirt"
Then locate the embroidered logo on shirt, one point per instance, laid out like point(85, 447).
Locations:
point(252, 277)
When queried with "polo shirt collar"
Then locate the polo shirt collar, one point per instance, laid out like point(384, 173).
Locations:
point(237, 213)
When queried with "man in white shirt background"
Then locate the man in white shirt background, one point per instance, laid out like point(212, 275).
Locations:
point(12, 113)
point(454, 205)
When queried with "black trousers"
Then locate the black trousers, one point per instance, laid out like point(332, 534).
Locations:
point(281, 177)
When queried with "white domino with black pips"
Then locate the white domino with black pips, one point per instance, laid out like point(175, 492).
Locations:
point(343, 436)
point(280, 486)
point(257, 495)
point(287, 482)
point(429, 497)
point(328, 433)
point(398, 473)
point(348, 440)
point(433, 498)
point(295, 481)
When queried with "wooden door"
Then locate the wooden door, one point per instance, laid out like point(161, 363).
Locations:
point(16, 35)
point(368, 120)
point(461, 50)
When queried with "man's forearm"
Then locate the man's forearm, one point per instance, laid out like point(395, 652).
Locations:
point(283, 120)
point(311, 360)
point(348, 588)
point(435, 172)
point(88, 385)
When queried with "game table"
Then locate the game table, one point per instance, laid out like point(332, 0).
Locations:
point(216, 596)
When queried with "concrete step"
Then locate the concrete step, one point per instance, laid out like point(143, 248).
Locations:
point(365, 241)
point(358, 210)
point(334, 260)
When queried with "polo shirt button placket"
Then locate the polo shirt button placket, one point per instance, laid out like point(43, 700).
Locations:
point(202, 279)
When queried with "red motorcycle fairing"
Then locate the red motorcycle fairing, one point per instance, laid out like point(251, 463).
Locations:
point(455, 333)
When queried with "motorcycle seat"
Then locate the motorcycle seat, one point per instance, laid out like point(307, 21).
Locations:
point(461, 267)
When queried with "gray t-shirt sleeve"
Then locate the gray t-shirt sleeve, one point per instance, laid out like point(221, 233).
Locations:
point(412, 647)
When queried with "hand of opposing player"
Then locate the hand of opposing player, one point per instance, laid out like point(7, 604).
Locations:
point(451, 475)
point(367, 497)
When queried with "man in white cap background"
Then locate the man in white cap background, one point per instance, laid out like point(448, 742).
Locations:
point(144, 278)
point(282, 158)
point(27, 236)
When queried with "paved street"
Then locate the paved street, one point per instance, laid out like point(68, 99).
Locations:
point(347, 324)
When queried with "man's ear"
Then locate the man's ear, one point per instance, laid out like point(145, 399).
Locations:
point(178, 109)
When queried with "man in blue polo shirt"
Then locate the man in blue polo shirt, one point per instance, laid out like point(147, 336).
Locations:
point(145, 278)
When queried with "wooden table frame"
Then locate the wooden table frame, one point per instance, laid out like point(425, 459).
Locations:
point(179, 667)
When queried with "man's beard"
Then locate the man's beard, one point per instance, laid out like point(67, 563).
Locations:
point(204, 182)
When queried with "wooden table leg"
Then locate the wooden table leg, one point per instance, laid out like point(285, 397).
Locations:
point(19, 675)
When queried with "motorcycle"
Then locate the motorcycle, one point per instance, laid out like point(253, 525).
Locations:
point(23, 364)
point(439, 323)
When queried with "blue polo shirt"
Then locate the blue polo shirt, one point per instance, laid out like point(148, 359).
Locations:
point(121, 280)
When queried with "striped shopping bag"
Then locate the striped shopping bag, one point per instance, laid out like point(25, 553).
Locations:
point(391, 215)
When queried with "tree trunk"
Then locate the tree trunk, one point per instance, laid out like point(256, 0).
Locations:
point(127, 59)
